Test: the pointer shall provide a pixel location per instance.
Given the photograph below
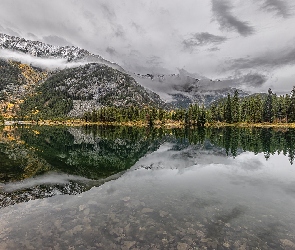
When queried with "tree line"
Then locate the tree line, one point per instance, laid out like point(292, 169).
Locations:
point(256, 108)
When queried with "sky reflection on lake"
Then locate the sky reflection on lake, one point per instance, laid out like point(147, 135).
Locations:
point(180, 196)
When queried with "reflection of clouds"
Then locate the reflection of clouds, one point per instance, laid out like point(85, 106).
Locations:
point(201, 200)
point(290, 189)
point(48, 178)
point(249, 163)
point(171, 156)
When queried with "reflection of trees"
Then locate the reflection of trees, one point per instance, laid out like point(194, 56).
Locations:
point(102, 151)
point(93, 152)
point(257, 140)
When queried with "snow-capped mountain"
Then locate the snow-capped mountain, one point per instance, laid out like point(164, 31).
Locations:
point(43, 50)
point(86, 82)
point(183, 89)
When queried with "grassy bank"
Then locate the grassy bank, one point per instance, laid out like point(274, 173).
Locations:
point(157, 124)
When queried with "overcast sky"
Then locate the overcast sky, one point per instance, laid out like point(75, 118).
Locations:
point(251, 41)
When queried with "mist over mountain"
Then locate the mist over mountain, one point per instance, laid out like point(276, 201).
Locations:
point(46, 55)
point(59, 81)
point(184, 88)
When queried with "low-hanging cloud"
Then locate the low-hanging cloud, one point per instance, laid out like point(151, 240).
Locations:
point(202, 39)
point(253, 79)
point(269, 60)
point(111, 51)
point(278, 6)
point(222, 11)
point(45, 63)
point(244, 81)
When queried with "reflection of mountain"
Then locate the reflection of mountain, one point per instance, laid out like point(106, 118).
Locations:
point(62, 160)
point(47, 185)
point(91, 153)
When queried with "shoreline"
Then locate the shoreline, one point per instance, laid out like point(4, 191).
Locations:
point(157, 124)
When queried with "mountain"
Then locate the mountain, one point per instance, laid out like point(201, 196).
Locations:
point(74, 91)
point(39, 80)
point(42, 161)
point(44, 92)
point(43, 50)
point(181, 90)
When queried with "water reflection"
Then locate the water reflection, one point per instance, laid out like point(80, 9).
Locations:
point(203, 189)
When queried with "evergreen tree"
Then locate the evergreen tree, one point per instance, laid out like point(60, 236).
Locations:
point(201, 120)
point(267, 115)
point(235, 108)
point(291, 109)
point(228, 110)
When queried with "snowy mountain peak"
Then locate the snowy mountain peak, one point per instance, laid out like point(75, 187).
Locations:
point(43, 50)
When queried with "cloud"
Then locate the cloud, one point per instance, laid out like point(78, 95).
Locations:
point(45, 63)
point(278, 6)
point(253, 79)
point(8, 31)
point(56, 40)
point(213, 49)
point(154, 60)
point(111, 51)
point(269, 60)
point(138, 28)
point(242, 81)
point(162, 28)
point(202, 39)
point(222, 13)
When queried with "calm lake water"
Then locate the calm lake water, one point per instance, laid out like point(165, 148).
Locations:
point(136, 188)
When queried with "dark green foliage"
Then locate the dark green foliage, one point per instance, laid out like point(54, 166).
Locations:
point(201, 119)
point(228, 110)
point(50, 102)
point(253, 109)
point(267, 114)
point(235, 107)
point(291, 107)
point(106, 150)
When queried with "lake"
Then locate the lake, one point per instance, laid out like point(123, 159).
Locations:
point(98, 187)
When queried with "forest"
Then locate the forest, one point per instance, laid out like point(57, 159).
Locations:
point(256, 108)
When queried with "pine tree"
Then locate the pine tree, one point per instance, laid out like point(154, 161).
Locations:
point(201, 120)
point(267, 115)
point(235, 107)
point(291, 109)
point(228, 110)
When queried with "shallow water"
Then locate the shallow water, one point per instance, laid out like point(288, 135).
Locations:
point(173, 190)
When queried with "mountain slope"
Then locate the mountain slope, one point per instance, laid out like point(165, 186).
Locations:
point(17, 80)
point(74, 91)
